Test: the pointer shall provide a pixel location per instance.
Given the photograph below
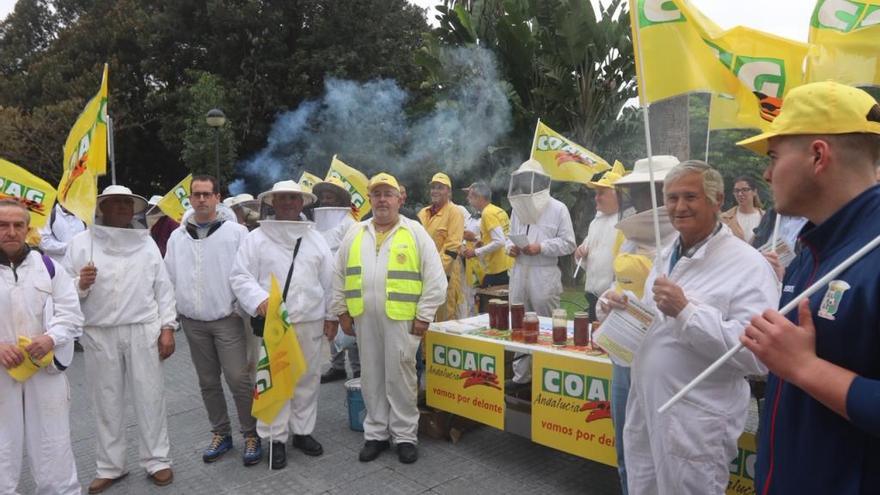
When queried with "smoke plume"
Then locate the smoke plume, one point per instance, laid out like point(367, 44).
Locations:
point(367, 125)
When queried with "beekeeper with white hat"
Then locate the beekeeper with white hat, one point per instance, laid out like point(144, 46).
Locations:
point(130, 317)
point(290, 245)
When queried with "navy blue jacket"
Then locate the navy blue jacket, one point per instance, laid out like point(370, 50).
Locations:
point(804, 447)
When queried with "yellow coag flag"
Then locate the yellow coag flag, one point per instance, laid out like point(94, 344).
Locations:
point(845, 42)
point(671, 57)
point(35, 193)
point(281, 361)
point(766, 68)
point(176, 202)
point(85, 157)
point(356, 183)
point(564, 160)
point(307, 181)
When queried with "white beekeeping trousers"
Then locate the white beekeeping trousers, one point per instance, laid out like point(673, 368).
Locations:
point(35, 414)
point(388, 377)
point(300, 413)
point(116, 358)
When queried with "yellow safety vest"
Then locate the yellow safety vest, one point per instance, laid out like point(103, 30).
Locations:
point(403, 279)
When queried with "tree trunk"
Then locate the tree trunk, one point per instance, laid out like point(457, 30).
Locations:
point(670, 132)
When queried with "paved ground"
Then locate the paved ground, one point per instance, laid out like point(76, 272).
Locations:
point(484, 461)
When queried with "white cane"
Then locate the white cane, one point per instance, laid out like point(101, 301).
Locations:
point(822, 282)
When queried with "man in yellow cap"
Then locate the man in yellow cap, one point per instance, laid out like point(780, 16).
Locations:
point(388, 284)
point(445, 224)
point(820, 428)
point(494, 229)
point(596, 253)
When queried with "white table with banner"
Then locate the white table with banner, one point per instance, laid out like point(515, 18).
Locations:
point(571, 390)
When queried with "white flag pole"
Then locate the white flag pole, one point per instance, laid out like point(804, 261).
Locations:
point(822, 282)
point(655, 215)
point(775, 236)
point(534, 140)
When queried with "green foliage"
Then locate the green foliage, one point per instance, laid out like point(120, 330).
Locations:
point(199, 140)
point(262, 57)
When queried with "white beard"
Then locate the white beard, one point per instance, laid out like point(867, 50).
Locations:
point(530, 207)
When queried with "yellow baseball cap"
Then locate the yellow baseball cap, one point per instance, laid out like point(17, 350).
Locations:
point(442, 179)
point(819, 108)
point(610, 177)
point(631, 272)
point(383, 178)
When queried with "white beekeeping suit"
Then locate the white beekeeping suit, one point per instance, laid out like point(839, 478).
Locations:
point(535, 279)
point(388, 349)
point(35, 413)
point(268, 251)
point(727, 282)
point(125, 310)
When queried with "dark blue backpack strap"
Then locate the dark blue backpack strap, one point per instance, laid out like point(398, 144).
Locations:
point(50, 265)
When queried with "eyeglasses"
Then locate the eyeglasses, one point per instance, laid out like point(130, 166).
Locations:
point(742, 191)
point(203, 195)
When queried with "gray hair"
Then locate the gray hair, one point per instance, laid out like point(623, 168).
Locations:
point(713, 183)
point(482, 190)
point(14, 203)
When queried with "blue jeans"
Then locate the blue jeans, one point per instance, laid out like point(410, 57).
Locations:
point(619, 392)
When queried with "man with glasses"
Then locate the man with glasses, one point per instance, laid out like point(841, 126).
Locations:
point(199, 260)
point(388, 283)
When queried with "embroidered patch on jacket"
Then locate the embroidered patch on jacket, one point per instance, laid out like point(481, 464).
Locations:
point(831, 301)
point(788, 288)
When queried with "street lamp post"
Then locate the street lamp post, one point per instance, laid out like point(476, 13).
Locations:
point(216, 118)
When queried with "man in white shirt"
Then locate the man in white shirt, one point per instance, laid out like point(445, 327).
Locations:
point(199, 259)
point(290, 244)
point(130, 318)
point(596, 253)
point(39, 302)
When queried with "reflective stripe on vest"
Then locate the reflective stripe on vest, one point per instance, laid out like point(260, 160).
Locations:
point(403, 279)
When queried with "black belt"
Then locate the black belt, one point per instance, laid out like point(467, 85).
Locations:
point(451, 254)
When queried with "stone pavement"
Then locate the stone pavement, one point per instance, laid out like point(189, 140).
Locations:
point(484, 461)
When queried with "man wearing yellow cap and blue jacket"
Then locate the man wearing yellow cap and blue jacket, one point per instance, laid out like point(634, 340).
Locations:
point(388, 283)
point(820, 429)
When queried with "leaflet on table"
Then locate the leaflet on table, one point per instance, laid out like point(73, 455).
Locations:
point(519, 240)
point(623, 330)
point(783, 251)
point(459, 327)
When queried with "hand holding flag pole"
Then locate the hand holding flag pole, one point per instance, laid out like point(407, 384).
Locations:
point(822, 282)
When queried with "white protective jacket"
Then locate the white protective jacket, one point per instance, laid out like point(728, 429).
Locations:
point(132, 285)
point(34, 303)
point(598, 264)
point(268, 251)
point(375, 264)
point(58, 231)
point(727, 282)
point(200, 269)
point(553, 231)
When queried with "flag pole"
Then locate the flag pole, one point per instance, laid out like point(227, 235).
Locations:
point(111, 150)
point(534, 141)
point(708, 127)
point(822, 282)
point(641, 82)
point(775, 236)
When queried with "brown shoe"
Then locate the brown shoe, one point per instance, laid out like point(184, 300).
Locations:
point(163, 477)
point(98, 485)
